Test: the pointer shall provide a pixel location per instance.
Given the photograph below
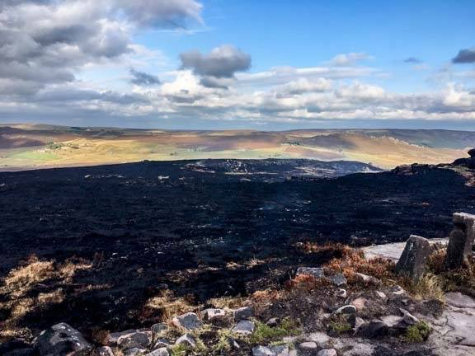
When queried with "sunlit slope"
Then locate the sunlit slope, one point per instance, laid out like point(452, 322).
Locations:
point(29, 146)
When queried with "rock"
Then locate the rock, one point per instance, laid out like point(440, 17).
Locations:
point(368, 279)
point(159, 329)
point(104, 351)
point(374, 329)
point(462, 326)
point(140, 340)
point(262, 351)
point(338, 279)
point(161, 343)
point(135, 351)
point(320, 338)
point(392, 321)
point(398, 291)
point(358, 322)
point(381, 295)
point(62, 339)
point(282, 350)
point(327, 352)
point(244, 327)
point(308, 346)
point(243, 313)
point(459, 300)
point(413, 259)
point(346, 309)
point(188, 321)
point(359, 303)
point(461, 240)
point(352, 347)
point(159, 352)
point(471, 152)
point(113, 337)
point(213, 314)
point(341, 293)
point(186, 340)
point(312, 271)
point(408, 318)
point(273, 322)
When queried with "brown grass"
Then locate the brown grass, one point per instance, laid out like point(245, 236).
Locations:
point(166, 305)
point(24, 280)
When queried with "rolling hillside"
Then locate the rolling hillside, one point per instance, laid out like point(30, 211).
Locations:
point(41, 146)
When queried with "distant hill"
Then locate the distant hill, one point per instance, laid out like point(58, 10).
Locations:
point(40, 146)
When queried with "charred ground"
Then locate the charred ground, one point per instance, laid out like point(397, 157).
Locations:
point(203, 228)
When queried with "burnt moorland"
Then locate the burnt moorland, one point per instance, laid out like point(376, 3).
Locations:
point(203, 228)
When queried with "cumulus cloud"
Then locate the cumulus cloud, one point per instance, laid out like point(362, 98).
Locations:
point(47, 42)
point(306, 85)
point(465, 56)
point(221, 63)
point(349, 59)
point(142, 78)
point(161, 13)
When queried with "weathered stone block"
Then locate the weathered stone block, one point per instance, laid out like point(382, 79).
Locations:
point(461, 240)
point(413, 259)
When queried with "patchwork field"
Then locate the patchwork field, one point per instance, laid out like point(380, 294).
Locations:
point(41, 146)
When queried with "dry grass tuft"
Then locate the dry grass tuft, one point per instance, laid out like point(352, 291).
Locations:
point(228, 302)
point(429, 286)
point(167, 305)
point(19, 292)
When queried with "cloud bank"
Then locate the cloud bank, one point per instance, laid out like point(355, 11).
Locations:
point(47, 46)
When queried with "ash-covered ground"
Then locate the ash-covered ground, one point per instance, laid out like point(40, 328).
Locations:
point(204, 228)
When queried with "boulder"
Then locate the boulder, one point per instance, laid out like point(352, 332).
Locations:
point(187, 340)
point(338, 279)
point(188, 321)
point(359, 303)
point(104, 351)
point(320, 338)
point(159, 329)
point(471, 153)
point(243, 313)
point(213, 314)
point(159, 352)
point(244, 327)
point(368, 279)
point(138, 339)
point(161, 343)
point(414, 257)
point(312, 271)
point(374, 329)
point(327, 352)
point(308, 347)
point(262, 351)
point(114, 337)
point(62, 339)
point(461, 240)
point(273, 322)
point(341, 293)
point(408, 318)
point(134, 351)
point(346, 309)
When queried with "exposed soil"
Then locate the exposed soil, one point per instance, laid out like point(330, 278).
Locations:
point(206, 229)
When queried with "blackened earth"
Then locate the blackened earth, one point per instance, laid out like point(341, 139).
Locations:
point(181, 225)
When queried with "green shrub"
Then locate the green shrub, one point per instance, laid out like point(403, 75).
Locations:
point(418, 332)
point(265, 333)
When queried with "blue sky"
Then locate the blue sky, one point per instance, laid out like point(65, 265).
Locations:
point(233, 64)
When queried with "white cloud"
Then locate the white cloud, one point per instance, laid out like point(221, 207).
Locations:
point(349, 59)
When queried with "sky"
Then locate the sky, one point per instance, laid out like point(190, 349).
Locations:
point(234, 64)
